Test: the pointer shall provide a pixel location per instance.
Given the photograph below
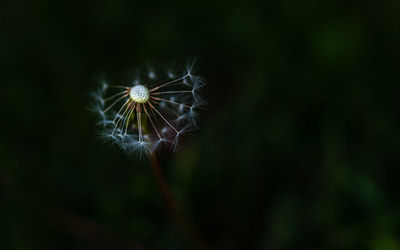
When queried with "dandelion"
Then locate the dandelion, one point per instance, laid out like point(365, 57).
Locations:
point(142, 116)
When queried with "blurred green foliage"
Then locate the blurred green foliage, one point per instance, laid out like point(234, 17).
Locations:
point(298, 148)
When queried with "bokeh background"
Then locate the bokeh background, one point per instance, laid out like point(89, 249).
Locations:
point(298, 148)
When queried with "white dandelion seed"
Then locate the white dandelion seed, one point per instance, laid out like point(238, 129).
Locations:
point(141, 118)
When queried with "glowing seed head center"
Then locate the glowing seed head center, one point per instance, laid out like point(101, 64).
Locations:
point(139, 93)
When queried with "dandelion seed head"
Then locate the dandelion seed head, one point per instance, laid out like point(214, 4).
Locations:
point(153, 112)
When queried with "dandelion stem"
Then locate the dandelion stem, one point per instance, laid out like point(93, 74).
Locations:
point(174, 210)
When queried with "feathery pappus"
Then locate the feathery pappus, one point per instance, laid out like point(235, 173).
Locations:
point(142, 116)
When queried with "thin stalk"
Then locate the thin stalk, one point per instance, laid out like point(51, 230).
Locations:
point(174, 210)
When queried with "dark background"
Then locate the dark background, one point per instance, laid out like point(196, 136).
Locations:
point(298, 147)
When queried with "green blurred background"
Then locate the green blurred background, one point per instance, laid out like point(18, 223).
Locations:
point(298, 148)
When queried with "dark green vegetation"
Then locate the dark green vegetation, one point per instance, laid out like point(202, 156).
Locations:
point(299, 147)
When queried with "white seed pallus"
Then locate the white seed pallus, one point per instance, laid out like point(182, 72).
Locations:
point(141, 117)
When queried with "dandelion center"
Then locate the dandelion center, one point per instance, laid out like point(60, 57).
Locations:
point(139, 93)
